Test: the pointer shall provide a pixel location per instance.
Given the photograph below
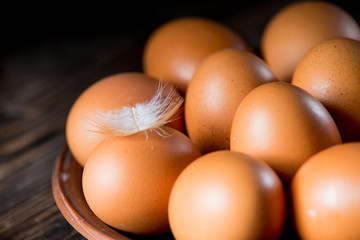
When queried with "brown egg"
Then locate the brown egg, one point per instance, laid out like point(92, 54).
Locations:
point(176, 48)
point(326, 194)
point(227, 195)
point(219, 84)
point(283, 125)
point(331, 73)
point(127, 180)
point(112, 92)
point(298, 27)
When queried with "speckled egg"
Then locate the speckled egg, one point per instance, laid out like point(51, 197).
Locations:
point(298, 27)
point(283, 125)
point(325, 194)
point(331, 73)
point(109, 93)
point(175, 49)
point(127, 180)
point(219, 84)
point(227, 195)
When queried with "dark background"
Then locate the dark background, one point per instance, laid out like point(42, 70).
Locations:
point(26, 24)
point(49, 53)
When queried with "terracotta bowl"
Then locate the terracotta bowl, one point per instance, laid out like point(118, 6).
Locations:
point(68, 195)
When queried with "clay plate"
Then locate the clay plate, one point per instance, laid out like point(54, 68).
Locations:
point(68, 195)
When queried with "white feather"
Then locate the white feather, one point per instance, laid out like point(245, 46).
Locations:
point(143, 116)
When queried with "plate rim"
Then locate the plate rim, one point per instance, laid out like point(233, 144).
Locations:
point(77, 221)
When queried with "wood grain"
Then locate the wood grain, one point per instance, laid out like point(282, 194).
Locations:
point(37, 89)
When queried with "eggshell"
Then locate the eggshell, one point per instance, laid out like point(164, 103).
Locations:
point(109, 93)
point(298, 27)
point(127, 180)
point(176, 48)
point(227, 195)
point(326, 194)
point(219, 84)
point(283, 125)
point(331, 73)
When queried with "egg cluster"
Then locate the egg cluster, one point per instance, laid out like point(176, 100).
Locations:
point(216, 141)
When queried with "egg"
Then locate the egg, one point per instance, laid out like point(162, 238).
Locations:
point(176, 48)
point(127, 180)
point(227, 195)
point(325, 194)
point(298, 27)
point(282, 125)
point(110, 93)
point(214, 93)
point(331, 73)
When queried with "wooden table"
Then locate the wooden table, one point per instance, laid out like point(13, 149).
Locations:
point(44, 68)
